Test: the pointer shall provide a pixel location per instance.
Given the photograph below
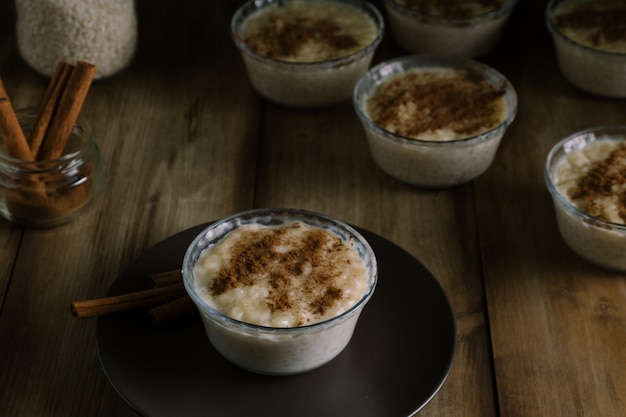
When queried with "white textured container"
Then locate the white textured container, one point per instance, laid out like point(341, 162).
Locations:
point(470, 36)
point(101, 32)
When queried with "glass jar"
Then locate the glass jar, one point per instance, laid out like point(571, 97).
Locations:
point(51, 192)
point(101, 32)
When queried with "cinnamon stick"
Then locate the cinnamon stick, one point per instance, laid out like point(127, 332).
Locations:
point(172, 311)
point(127, 302)
point(49, 104)
point(70, 105)
point(15, 143)
point(166, 278)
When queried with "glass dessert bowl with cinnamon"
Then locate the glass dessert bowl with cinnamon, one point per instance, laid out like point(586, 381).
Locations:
point(469, 28)
point(306, 53)
point(50, 192)
point(589, 38)
point(586, 176)
point(279, 291)
point(434, 121)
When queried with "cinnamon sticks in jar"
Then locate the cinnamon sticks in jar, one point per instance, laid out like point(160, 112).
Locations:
point(35, 187)
point(58, 112)
point(14, 140)
point(62, 106)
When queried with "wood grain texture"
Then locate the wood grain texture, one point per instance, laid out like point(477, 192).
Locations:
point(557, 323)
point(185, 140)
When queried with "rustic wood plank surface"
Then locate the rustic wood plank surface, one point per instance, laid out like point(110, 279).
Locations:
point(185, 140)
point(175, 130)
point(557, 323)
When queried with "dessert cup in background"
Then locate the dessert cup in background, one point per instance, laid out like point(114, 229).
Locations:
point(466, 28)
point(306, 53)
point(51, 192)
point(583, 173)
point(434, 121)
point(590, 44)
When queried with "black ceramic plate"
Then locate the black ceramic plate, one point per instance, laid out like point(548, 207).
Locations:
point(399, 357)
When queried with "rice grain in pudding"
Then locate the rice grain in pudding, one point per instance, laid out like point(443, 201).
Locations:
point(434, 121)
point(280, 291)
point(590, 42)
point(307, 53)
point(586, 175)
point(468, 28)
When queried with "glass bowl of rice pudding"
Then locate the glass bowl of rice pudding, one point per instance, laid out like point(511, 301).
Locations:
point(469, 28)
point(586, 176)
point(434, 121)
point(280, 291)
point(590, 43)
point(306, 53)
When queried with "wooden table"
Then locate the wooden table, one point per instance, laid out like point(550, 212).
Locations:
point(186, 140)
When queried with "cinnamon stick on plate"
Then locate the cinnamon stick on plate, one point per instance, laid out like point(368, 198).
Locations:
point(69, 107)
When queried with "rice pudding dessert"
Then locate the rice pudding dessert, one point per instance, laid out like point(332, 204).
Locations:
point(287, 276)
point(590, 43)
point(306, 53)
point(436, 123)
point(281, 295)
point(469, 28)
point(587, 177)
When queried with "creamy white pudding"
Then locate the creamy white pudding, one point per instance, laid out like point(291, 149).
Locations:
point(434, 121)
point(281, 276)
point(306, 53)
point(469, 28)
point(280, 291)
point(586, 175)
point(590, 44)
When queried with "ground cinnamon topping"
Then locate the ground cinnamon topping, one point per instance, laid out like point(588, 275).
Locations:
point(427, 101)
point(605, 21)
point(604, 180)
point(453, 8)
point(283, 38)
point(265, 253)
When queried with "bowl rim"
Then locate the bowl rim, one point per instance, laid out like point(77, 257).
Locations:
point(433, 61)
point(253, 5)
point(556, 33)
point(506, 8)
point(286, 214)
point(587, 136)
